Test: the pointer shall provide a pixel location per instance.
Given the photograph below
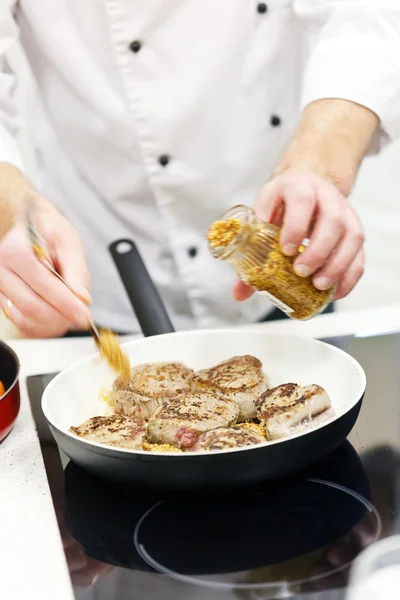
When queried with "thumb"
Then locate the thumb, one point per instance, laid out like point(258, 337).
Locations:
point(241, 291)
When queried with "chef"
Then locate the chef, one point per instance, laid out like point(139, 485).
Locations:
point(150, 118)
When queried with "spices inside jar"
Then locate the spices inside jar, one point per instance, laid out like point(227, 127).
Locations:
point(278, 278)
point(252, 247)
point(221, 233)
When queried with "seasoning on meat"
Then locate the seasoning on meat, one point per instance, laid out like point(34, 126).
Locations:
point(115, 430)
point(106, 397)
point(291, 408)
point(222, 233)
point(224, 407)
point(160, 448)
point(240, 379)
point(183, 419)
point(224, 438)
point(149, 386)
point(252, 425)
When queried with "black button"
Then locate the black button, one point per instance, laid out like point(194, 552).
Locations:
point(262, 8)
point(135, 46)
point(275, 121)
point(163, 160)
point(192, 252)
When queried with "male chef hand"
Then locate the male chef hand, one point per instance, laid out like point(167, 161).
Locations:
point(34, 300)
point(307, 206)
point(307, 196)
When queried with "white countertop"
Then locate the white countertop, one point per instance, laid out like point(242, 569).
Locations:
point(32, 563)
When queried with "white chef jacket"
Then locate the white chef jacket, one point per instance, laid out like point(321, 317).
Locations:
point(150, 118)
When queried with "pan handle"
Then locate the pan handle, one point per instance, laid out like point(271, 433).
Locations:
point(143, 295)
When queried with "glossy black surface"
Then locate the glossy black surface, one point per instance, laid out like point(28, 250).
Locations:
point(293, 538)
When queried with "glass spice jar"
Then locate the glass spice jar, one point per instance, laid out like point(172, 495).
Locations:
point(251, 246)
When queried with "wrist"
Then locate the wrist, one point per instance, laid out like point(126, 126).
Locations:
point(15, 190)
point(341, 176)
point(15, 187)
point(331, 140)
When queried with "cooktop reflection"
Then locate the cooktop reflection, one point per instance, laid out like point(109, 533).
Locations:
point(294, 538)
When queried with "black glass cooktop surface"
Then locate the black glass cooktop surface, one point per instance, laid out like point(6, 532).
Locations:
point(293, 538)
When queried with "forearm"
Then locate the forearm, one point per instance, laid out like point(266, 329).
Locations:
point(13, 184)
point(331, 140)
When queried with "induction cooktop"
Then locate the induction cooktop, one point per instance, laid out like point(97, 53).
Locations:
point(291, 538)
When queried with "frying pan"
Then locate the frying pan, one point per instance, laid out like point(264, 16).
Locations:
point(73, 396)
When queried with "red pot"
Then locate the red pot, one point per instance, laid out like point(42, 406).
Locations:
point(10, 400)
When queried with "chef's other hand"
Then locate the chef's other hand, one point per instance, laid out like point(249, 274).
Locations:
point(306, 206)
point(34, 300)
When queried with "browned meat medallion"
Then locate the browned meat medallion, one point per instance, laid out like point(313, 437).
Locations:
point(150, 385)
point(291, 408)
point(225, 438)
point(183, 419)
point(116, 430)
point(240, 379)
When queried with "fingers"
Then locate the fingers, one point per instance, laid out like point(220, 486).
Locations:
point(329, 229)
point(268, 206)
point(43, 306)
point(27, 311)
point(48, 288)
point(31, 328)
point(346, 252)
point(241, 291)
point(290, 203)
point(351, 277)
point(305, 206)
point(300, 205)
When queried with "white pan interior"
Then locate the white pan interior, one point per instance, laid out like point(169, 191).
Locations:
point(74, 395)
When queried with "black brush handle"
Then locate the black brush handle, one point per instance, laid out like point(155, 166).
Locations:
point(143, 295)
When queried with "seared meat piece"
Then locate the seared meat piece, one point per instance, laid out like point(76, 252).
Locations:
point(240, 378)
point(183, 419)
point(224, 438)
point(291, 408)
point(150, 385)
point(116, 430)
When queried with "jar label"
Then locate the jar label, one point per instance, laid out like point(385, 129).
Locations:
point(283, 307)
